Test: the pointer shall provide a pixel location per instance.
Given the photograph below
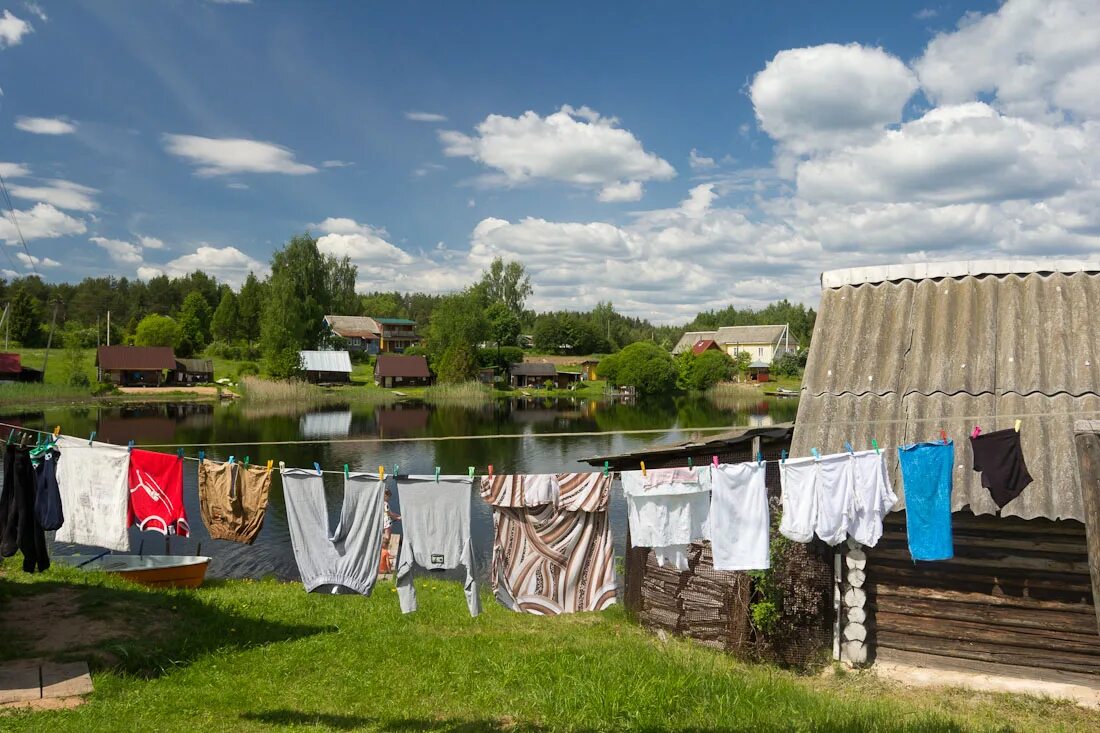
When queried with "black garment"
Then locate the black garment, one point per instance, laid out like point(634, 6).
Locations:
point(1000, 459)
point(20, 528)
point(47, 497)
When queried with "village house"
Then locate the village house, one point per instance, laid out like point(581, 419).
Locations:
point(761, 343)
point(535, 375)
point(326, 367)
point(532, 374)
point(916, 352)
point(401, 371)
point(373, 335)
point(134, 366)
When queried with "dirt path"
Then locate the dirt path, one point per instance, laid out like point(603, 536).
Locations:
point(205, 391)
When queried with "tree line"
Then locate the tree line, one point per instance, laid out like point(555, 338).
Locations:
point(272, 319)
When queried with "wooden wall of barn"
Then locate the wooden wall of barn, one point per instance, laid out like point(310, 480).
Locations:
point(1016, 599)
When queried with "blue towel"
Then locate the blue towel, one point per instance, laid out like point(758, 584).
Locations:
point(926, 470)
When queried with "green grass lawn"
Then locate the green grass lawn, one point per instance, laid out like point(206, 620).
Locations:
point(257, 656)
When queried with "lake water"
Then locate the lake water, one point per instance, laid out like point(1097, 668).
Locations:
point(548, 438)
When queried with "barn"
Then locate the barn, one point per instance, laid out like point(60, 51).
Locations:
point(902, 353)
point(326, 367)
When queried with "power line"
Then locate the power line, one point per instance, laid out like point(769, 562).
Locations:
point(11, 212)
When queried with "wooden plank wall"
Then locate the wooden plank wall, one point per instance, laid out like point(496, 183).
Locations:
point(1087, 441)
point(1017, 593)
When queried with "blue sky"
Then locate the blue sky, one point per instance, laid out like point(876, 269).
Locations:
point(666, 156)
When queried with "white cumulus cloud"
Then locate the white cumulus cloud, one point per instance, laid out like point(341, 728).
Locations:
point(31, 261)
point(13, 29)
point(622, 191)
point(45, 125)
point(226, 156)
point(62, 194)
point(576, 146)
point(828, 96)
point(227, 264)
point(42, 221)
point(121, 252)
point(361, 242)
point(1037, 57)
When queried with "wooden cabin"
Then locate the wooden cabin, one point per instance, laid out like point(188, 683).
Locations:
point(391, 370)
point(326, 367)
point(134, 366)
point(531, 374)
point(902, 353)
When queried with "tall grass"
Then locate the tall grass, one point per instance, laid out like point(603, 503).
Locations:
point(293, 393)
point(466, 394)
point(12, 394)
point(247, 656)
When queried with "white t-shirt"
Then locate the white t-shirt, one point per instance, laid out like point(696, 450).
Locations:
point(835, 497)
point(739, 522)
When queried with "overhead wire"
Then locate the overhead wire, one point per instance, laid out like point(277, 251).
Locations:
point(18, 229)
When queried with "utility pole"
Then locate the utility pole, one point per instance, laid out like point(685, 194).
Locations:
point(49, 341)
point(6, 324)
point(108, 328)
point(97, 334)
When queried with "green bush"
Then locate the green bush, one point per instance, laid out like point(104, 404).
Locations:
point(248, 369)
point(786, 365)
point(501, 358)
point(644, 365)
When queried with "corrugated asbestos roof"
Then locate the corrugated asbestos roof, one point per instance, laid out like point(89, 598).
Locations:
point(533, 369)
point(899, 361)
point(354, 326)
point(749, 334)
point(326, 361)
point(138, 358)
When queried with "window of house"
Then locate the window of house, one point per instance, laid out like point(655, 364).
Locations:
point(760, 352)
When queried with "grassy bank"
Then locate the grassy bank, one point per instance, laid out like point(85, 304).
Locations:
point(256, 391)
point(250, 656)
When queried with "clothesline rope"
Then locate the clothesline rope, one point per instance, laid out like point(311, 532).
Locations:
point(418, 439)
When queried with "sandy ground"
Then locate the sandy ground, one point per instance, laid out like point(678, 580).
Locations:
point(51, 623)
point(152, 391)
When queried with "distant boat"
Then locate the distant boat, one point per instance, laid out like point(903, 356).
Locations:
point(781, 392)
point(162, 571)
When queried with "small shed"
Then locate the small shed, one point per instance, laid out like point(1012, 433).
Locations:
point(565, 380)
point(533, 374)
point(758, 371)
point(487, 375)
point(192, 371)
point(135, 366)
point(902, 353)
point(391, 370)
point(12, 370)
point(589, 368)
point(326, 367)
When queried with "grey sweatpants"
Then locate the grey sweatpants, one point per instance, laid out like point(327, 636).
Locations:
point(345, 558)
point(435, 520)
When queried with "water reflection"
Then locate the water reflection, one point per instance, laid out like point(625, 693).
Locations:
point(504, 434)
